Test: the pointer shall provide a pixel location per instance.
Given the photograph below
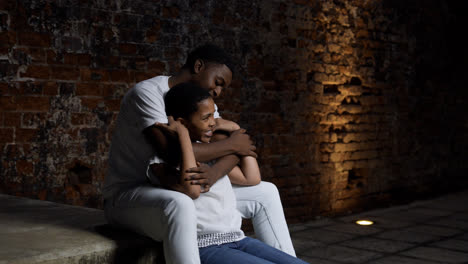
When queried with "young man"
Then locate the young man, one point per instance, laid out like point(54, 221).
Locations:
point(166, 215)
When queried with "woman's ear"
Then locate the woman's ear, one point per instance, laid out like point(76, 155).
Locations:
point(198, 66)
point(183, 121)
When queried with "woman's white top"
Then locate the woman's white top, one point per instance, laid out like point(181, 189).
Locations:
point(218, 220)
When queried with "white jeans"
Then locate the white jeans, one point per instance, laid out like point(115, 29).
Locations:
point(169, 216)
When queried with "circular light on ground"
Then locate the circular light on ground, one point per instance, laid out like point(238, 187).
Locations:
point(364, 222)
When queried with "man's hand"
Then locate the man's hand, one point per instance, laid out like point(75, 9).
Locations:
point(205, 176)
point(242, 144)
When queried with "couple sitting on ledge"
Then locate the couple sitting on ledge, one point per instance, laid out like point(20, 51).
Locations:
point(181, 174)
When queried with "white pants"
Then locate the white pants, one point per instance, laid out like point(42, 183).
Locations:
point(169, 216)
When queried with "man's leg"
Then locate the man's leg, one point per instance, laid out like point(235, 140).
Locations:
point(262, 203)
point(161, 214)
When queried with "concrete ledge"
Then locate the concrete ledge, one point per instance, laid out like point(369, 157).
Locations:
point(33, 231)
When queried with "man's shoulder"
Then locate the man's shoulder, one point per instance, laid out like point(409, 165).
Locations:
point(160, 82)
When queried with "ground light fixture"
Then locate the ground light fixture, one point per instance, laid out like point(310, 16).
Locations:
point(364, 222)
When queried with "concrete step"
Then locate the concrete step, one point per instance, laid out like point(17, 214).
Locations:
point(33, 231)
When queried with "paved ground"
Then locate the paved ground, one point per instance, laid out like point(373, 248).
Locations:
point(434, 231)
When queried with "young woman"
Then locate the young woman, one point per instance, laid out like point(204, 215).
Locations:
point(220, 238)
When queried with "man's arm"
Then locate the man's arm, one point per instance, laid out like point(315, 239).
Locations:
point(238, 143)
point(224, 151)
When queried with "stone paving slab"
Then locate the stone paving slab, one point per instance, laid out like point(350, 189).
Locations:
point(325, 236)
point(379, 245)
point(407, 236)
point(434, 230)
point(342, 254)
point(437, 254)
point(453, 244)
point(401, 260)
point(352, 228)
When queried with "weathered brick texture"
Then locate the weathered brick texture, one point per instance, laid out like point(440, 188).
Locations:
point(351, 103)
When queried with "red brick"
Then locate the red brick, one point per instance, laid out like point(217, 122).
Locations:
point(158, 66)
point(127, 49)
point(77, 59)
point(62, 73)
point(113, 105)
point(151, 36)
point(53, 58)
point(30, 88)
point(8, 103)
point(91, 103)
point(120, 76)
point(50, 88)
point(4, 50)
point(12, 119)
point(115, 90)
point(6, 135)
point(94, 75)
point(90, 89)
point(78, 119)
point(36, 54)
point(32, 120)
point(36, 71)
point(4, 89)
point(24, 167)
point(7, 5)
point(170, 12)
point(33, 103)
point(42, 195)
point(34, 39)
point(141, 76)
point(26, 135)
point(7, 38)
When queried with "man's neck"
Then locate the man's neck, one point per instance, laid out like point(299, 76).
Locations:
point(182, 76)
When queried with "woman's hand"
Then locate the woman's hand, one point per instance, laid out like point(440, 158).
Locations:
point(174, 127)
point(226, 125)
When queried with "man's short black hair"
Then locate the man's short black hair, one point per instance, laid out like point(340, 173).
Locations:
point(182, 99)
point(209, 53)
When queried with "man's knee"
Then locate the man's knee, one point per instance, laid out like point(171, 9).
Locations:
point(180, 208)
point(268, 190)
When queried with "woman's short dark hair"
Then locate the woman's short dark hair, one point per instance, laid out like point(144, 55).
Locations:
point(209, 53)
point(182, 99)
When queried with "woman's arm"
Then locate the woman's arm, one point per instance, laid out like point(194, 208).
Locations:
point(248, 173)
point(172, 179)
point(226, 125)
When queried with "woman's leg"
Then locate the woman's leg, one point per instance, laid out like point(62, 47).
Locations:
point(262, 203)
point(261, 250)
point(228, 253)
point(161, 214)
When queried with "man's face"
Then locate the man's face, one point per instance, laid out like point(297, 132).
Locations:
point(213, 77)
point(201, 123)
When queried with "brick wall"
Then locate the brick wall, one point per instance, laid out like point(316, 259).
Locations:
point(353, 104)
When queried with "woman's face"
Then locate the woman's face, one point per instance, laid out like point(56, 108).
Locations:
point(201, 123)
